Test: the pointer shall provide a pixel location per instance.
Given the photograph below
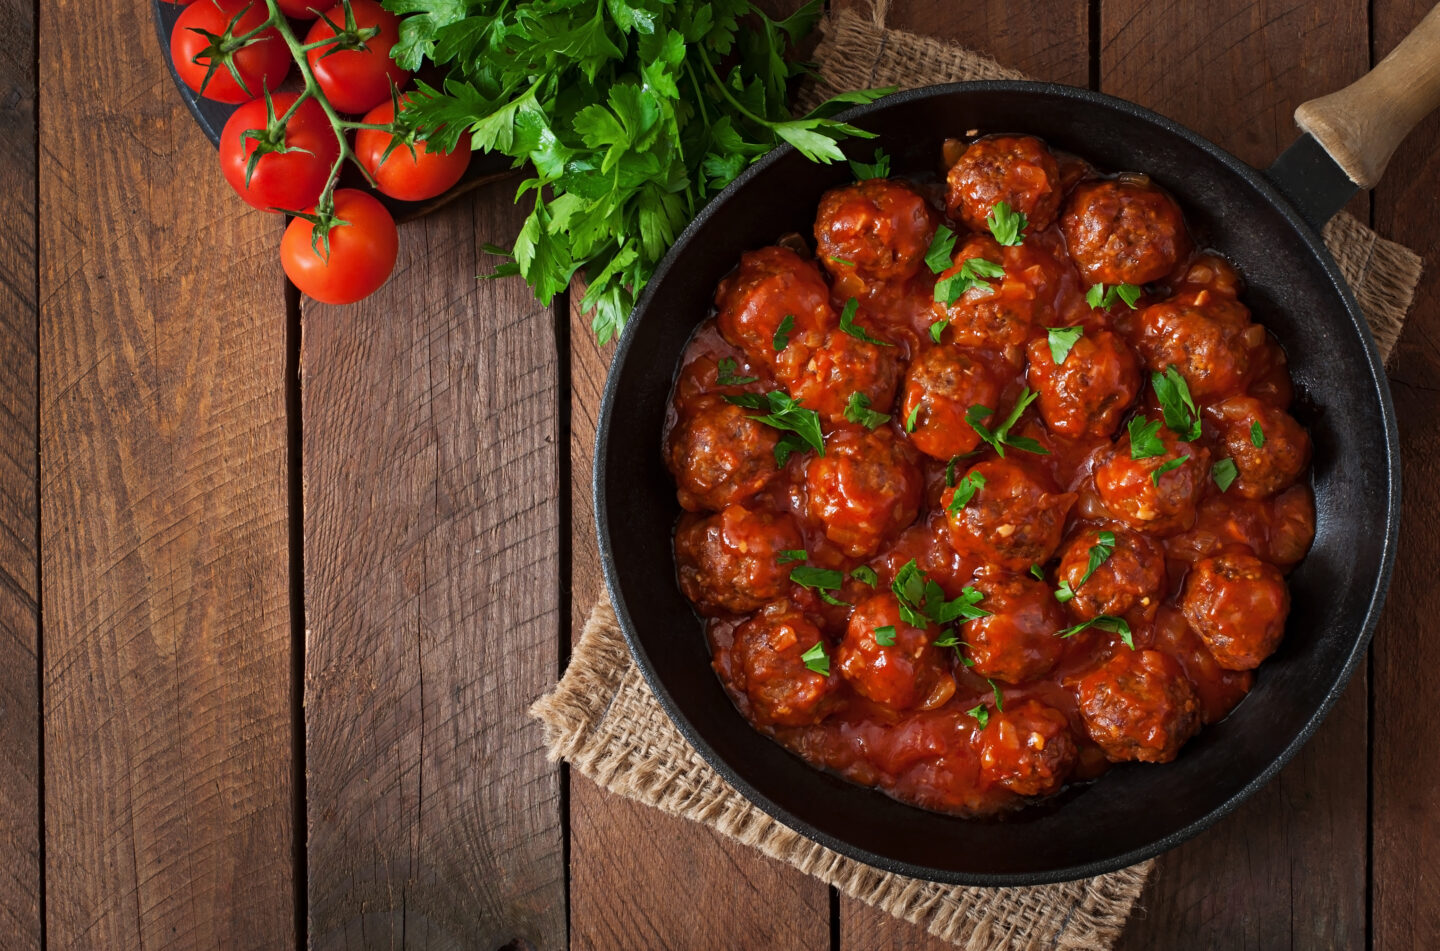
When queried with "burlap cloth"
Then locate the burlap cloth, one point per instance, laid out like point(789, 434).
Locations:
point(604, 720)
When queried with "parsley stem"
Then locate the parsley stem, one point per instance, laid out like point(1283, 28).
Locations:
point(725, 91)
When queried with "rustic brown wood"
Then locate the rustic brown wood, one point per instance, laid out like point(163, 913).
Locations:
point(163, 513)
point(1405, 780)
point(1288, 869)
point(431, 563)
point(19, 461)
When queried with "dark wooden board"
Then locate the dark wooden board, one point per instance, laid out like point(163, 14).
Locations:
point(167, 773)
point(20, 912)
point(1288, 868)
point(1405, 779)
point(431, 578)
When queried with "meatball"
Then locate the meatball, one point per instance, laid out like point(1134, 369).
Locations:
point(1132, 578)
point(1207, 344)
point(1237, 604)
point(719, 455)
point(1018, 170)
point(876, 230)
point(769, 285)
point(912, 672)
point(1088, 393)
point(1015, 519)
point(1001, 312)
point(944, 382)
point(1292, 525)
point(1029, 749)
point(728, 561)
point(1138, 705)
point(1283, 452)
point(767, 654)
point(1124, 231)
point(823, 371)
point(864, 490)
point(1162, 504)
point(1017, 641)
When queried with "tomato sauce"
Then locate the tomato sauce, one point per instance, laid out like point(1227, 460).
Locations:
point(1059, 486)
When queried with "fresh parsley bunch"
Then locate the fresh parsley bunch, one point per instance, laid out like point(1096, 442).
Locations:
point(631, 113)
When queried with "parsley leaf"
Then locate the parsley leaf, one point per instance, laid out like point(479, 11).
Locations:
point(950, 471)
point(866, 575)
point(1000, 437)
point(970, 274)
point(937, 329)
point(1061, 340)
point(1064, 592)
point(1100, 552)
point(782, 332)
point(880, 168)
point(885, 636)
point(1105, 622)
point(1165, 467)
point(847, 324)
point(999, 700)
point(938, 257)
point(1007, 226)
point(922, 600)
point(1224, 473)
point(911, 419)
point(981, 713)
point(785, 413)
point(1037, 572)
point(1174, 395)
point(817, 660)
point(1145, 441)
point(965, 490)
point(1103, 298)
point(820, 580)
point(726, 373)
point(1257, 435)
point(791, 554)
point(857, 410)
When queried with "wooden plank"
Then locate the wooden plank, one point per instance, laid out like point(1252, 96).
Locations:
point(1288, 869)
point(622, 887)
point(19, 463)
point(163, 513)
point(431, 563)
point(1404, 782)
point(1047, 39)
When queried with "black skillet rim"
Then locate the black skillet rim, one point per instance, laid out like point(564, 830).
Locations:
point(1362, 639)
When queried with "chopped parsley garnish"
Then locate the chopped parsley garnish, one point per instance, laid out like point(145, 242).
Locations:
point(842, 261)
point(782, 332)
point(1160, 470)
point(785, 413)
point(937, 329)
point(1000, 437)
point(1105, 622)
point(866, 575)
point(965, 490)
point(791, 554)
point(1064, 592)
point(1101, 297)
point(981, 713)
point(922, 600)
point(948, 639)
point(912, 418)
point(880, 168)
point(942, 246)
point(726, 370)
point(1007, 226)
point(1100, 552)
point(788, 444)
point(1061, 339)
point(885, 636)
point(999, 700)
point(847, 324)
point(1037, 572)
point(971, 274)
point(1224, 473)
point(857, 410)
point(1174, 395)
point(820, 580)
point(1257, 435)
point(1145, 441)
point(817, 660)
point(950, 471)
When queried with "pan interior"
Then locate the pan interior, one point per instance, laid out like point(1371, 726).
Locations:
point(1134, 811)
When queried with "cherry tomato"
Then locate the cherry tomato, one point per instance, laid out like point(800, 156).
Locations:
point(403, 174)
point(356, 79)
point(301, 9)
point(362, 252)
point(290, 180)
point(262, 65)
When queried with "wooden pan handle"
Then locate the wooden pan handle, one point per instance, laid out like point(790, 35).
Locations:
point(1361, 125)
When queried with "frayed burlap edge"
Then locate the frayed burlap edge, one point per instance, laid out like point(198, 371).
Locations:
point(604, 720)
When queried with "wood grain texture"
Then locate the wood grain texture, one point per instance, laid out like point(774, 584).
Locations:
point(641, 879)
point(431, 537)
point(164, 551)
point(20, 911)
point(1405, 780)
point(1289, 866)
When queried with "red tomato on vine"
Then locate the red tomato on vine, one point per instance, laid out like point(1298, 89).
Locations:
point(295, 159)
point(360, 254)
point(411, 172)
point(211, 58)
point(356, 72)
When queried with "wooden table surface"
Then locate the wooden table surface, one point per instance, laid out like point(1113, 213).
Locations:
point(278, 580)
